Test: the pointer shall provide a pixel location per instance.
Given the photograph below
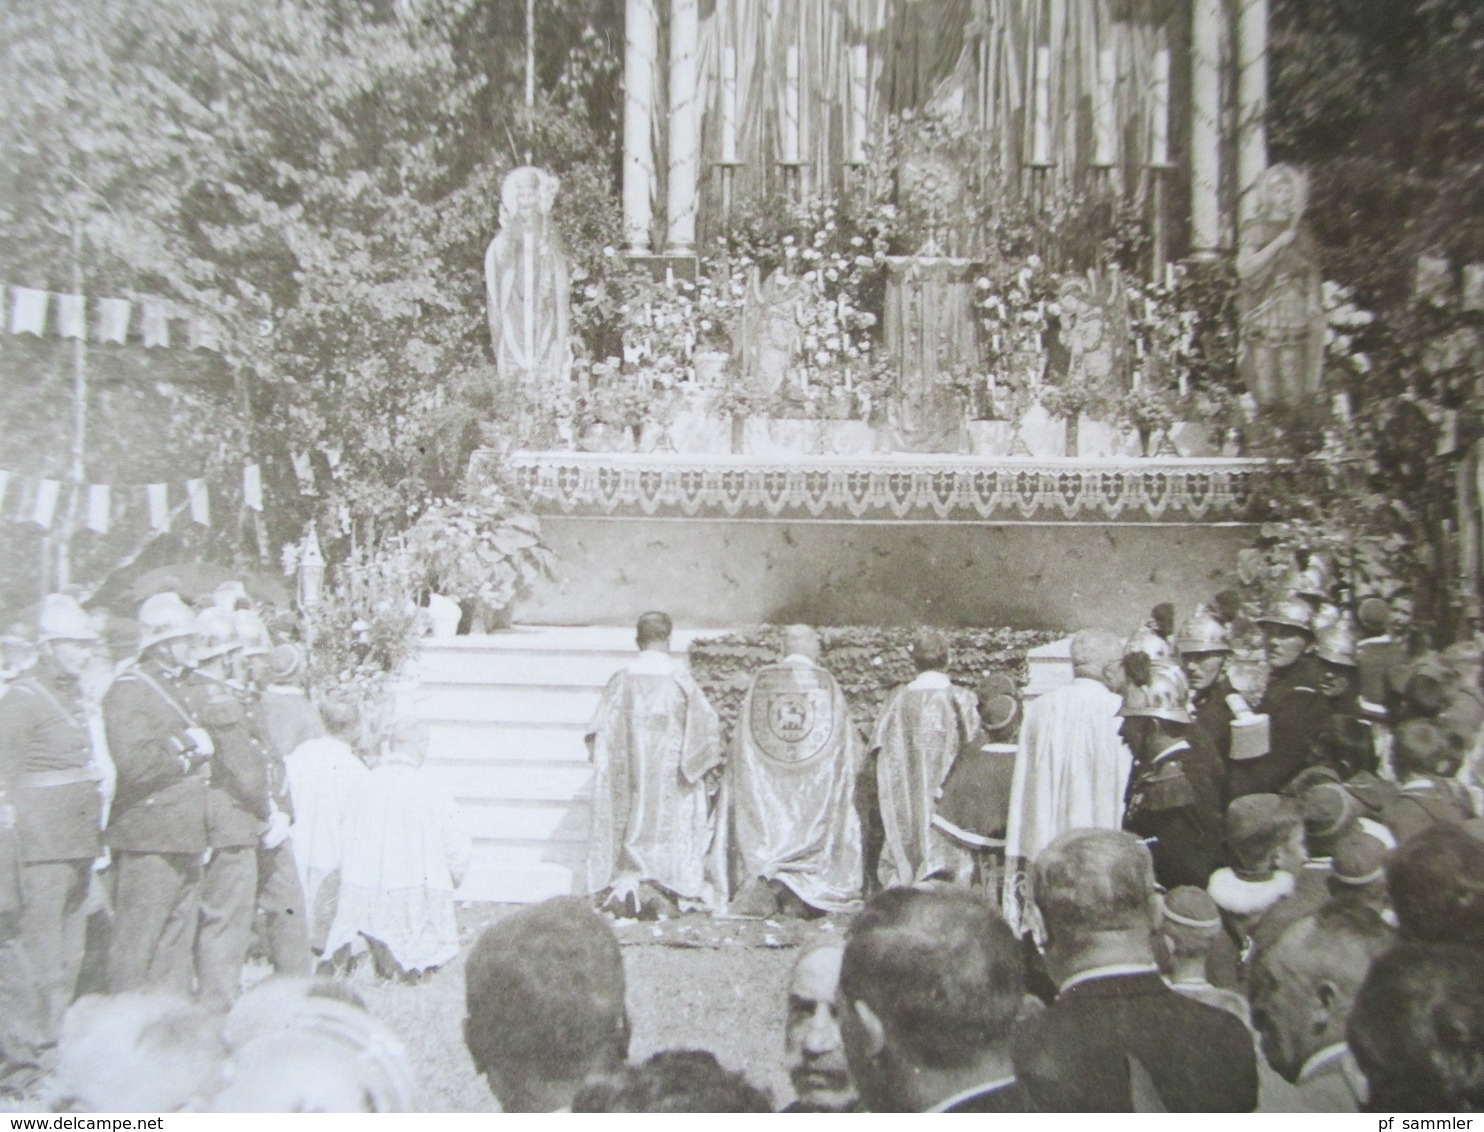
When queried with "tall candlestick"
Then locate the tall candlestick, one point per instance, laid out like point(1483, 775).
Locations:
point(1159, 111)
point(1138, 378)
point(1105, 140)
point(791, 110)
point(1169, 276)
point(859, 78)
point(729, 105)
point(1041, 121)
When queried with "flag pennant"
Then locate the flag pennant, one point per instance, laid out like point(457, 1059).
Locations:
point(159, 506)
point(45, 509)
point(204, 335)
point(155, 323)
point(72, 316)
point(100, 507)
point(28, 310)
point(200, 502)
point(113, 320)
point(252, 487)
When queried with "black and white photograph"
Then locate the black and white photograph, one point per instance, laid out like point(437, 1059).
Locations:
point(742, 556)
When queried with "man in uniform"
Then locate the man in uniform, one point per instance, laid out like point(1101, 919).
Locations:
point(1205, 644)
point(656, 747)
point(1292, 701)
point(788, 794)
point(237, 814)
point(157, 829)
point(1174, 794)
point(921, 730)
point(50, 774)
point(1344, 742)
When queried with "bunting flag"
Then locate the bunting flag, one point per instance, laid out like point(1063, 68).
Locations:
point(159, 506)
point(100, 505)
point(204, 336)
point(252, 487)
point(45, 508)
point(28, 311)
point(156, 323)
point(113, 320)
point(303, 471)
point(200, 502)
point(72, 316)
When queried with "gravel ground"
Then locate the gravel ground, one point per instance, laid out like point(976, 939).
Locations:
point(693, 982)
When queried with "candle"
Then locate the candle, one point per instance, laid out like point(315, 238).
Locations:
point(1184, 384)
point(993, 387)
point(1138, 378)
point(1159, 112)
point(996, 343)
point(1041, 135)
point(1105, 137)
point(859, 77)
point(1148, 308)
point(1342, 407)
point(669, 276)
point(849, 380)
point(791, 109)
point(729, 105)
point(1169, 276)
point(1139, 346)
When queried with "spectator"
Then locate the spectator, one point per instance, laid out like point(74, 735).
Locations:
point(1303, 987)
point(974, 805)
point(1191, 924)
point(544, 990)
point(1417, 1030)
point(405, 853)
point(1436, 881)
point(1425, 760)
point(1357, 877)
point(929, 991)
point(1115, 1024)
point(1257, 894)
point(812, 1042)
point(675, 1080)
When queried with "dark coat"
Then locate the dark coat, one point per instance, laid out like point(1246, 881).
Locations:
point(1074, 1056)
point(1213, 717)
point(237, 794)
point(1177, 802)
point(46, 761)
point(160, 803)
point(1299, 712)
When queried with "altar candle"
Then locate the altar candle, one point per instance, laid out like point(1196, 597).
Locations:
point(1139, 346)
point(996, 343)
point(1041, 121)
point(1169, 276)
point(1103, 117)
point(1138, 378)
point(1184, 384)
point(1342, 407)
point(1159, 112)
point(729, 105)
point(791, 109)
point(859, 78)
point(993, 386)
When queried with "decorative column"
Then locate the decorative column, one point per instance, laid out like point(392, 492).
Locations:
point(1205, 128)
point(1252, 96)
point(641, 47)
point(685, 133)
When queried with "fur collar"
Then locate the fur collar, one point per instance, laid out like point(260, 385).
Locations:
point(1246, 897)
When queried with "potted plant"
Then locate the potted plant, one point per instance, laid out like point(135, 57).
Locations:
point(1147, 411)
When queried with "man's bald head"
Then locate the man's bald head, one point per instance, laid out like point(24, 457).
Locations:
point(801, 640)
point(1093, 650)
point(1304, 984)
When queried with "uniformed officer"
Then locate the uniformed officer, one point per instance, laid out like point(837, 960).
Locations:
point(1205, 644)
point(237, 813)
point(51, 775)
point(1344, 742)
point(157, 829)
point(1174, 793)
point(1292, 701)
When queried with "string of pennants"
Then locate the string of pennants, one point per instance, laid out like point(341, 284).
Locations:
point(34, 499)
point(114, 320)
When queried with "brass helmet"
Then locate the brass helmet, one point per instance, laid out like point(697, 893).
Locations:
point(1166, 695)
point(1335, 642)
point(62, 619)
point(1151, 644)
point(1313, 581)
point(1325, 616)
point(1201, 632)
point(252, 633)
point(216, 634)
point(1292, 611)
point(164, 617)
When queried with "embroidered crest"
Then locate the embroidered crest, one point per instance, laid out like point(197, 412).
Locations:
point(791, 718)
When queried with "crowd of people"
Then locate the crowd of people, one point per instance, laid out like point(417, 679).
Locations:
point(173, 802)
point(1144, 890)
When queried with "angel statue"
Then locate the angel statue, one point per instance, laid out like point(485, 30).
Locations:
point(1281, 306)
point(526, 277)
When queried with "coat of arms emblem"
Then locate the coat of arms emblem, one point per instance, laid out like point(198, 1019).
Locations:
point(792, 717)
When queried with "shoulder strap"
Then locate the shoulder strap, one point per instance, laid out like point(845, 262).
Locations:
point(37, 688)
point(159, 690)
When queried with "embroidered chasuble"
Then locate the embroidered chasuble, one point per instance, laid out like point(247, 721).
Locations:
point(920, 732)
point(789, 790)
point(654, 738)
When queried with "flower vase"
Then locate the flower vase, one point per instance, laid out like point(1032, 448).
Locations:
point(444, 615)
point(1146, 434)
point(1074, 434)
point(739, 433)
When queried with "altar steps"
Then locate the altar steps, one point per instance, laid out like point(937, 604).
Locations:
point(507, 714)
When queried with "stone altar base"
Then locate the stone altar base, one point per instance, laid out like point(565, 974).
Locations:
point(889, 539)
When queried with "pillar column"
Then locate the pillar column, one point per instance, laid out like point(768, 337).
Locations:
point(1205, 128)
point(641, 47)
point(685, 127)
point(1252, 98)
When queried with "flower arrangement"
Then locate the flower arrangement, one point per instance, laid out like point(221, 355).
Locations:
point(1147, 409)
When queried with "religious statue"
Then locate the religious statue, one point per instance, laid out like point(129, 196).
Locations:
point(526, 278)
point(1282, 312)
point(771, 337)
point(1093, 328)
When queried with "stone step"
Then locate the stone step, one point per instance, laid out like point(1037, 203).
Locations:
point(497, 819)
point(514, 781)
point(562, 638)
point(496, 882)
point(460, 741)
point(444, 669)
point(543, 704)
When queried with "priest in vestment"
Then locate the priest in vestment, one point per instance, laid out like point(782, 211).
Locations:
point(921, 730)
point(656, 747)
point(1071, 768)
point(790, 827)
